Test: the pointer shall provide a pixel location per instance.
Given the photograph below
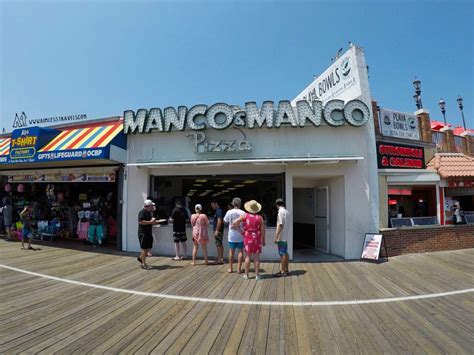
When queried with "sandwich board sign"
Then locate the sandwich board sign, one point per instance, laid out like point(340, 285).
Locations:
point(372, 245)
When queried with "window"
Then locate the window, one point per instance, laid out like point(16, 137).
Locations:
point(165, 190)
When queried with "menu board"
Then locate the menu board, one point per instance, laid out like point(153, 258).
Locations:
point(372, 244)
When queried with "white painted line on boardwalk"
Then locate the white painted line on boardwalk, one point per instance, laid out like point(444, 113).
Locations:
point(242, 302)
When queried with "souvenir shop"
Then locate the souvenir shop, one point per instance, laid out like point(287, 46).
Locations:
point(70, 177)
point(282, 149)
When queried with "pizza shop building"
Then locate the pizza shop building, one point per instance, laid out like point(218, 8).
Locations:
point(419, 181)
point(317, 155)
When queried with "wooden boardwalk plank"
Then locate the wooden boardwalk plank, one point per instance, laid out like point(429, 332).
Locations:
point(40, 315)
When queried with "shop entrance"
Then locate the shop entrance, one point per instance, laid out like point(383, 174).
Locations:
point(311, 219)
point(76, 204)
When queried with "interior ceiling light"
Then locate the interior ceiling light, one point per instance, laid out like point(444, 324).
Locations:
point(231, 188)
point(218, 185)
point(200, 180)
point(226, 181)
point(248, 181)
point(239, 185)
point(197, 185)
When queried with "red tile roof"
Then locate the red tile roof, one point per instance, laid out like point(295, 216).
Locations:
point(450, 165)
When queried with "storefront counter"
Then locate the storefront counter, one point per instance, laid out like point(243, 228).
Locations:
point(421, 239)
point(164, 245)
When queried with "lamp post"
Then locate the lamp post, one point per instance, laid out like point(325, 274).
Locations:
point(459, 100)
point(417, 96)
point(442, 106)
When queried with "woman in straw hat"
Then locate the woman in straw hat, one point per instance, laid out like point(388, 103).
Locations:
point(200, 223)
point(254, 236)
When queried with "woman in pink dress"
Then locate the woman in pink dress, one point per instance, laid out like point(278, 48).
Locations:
point(254, 236)
point(200, 225)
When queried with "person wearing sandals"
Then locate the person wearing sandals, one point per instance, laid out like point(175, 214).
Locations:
point(200, 225)
point(235, 235)
point(281, 237)
point(179, 216)
point(27, 232)
point(254, 236)
point(145, 235)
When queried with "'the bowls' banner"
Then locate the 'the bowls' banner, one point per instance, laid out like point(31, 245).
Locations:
point(341, 80)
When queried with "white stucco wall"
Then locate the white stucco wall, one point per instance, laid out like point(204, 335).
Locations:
point(354, 195)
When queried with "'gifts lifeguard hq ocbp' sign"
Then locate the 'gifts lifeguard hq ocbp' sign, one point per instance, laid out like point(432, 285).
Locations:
point(26, 142)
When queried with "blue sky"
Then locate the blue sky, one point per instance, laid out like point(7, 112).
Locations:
point(103, 57)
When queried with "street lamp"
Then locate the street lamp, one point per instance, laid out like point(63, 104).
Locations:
point(442, 106)
point(417, 101)
point(459, 100)
point(417, 96)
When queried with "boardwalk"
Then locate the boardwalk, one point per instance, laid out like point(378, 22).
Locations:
point(39, 314)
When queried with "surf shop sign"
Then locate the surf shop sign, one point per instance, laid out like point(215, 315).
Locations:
point(220, 116)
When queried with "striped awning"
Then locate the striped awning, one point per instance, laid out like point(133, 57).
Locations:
point(83, 138)
point(5, 146)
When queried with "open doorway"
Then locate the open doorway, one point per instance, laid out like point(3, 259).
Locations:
point(311, 219)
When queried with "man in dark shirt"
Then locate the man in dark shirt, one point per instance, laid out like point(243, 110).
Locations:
point(218, 227)
point(179, 216)
point(145, 235)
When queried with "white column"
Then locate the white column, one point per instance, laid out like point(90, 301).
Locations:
point(289, 205)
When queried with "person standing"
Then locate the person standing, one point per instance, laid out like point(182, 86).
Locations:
point(281, 237)
point(254, 236)
point(27, 232)
point(457, 215)
point(200, 225)
point(7, 217)
point(235, 236)
point(218, 228)
point(179, 216)
point(145, 234)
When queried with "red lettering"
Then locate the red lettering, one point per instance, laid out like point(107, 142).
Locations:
point(403, 151)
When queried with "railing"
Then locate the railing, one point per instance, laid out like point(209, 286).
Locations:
point(413, 221)
point(458, 143)
point(439, 139)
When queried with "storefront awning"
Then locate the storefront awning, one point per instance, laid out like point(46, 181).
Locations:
point(84, 138)
point(425, 177)
point(4, 147)
point(35, 146)
point(276, 161)
point(452, 165)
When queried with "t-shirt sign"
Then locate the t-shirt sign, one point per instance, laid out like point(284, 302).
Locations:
point(372, 245)
point(400, 156)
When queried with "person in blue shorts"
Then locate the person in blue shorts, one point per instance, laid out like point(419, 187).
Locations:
point(235, 236)
point(281, 237)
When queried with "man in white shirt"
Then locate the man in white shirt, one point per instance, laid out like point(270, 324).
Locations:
point(281, 237)
point(235, 236)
